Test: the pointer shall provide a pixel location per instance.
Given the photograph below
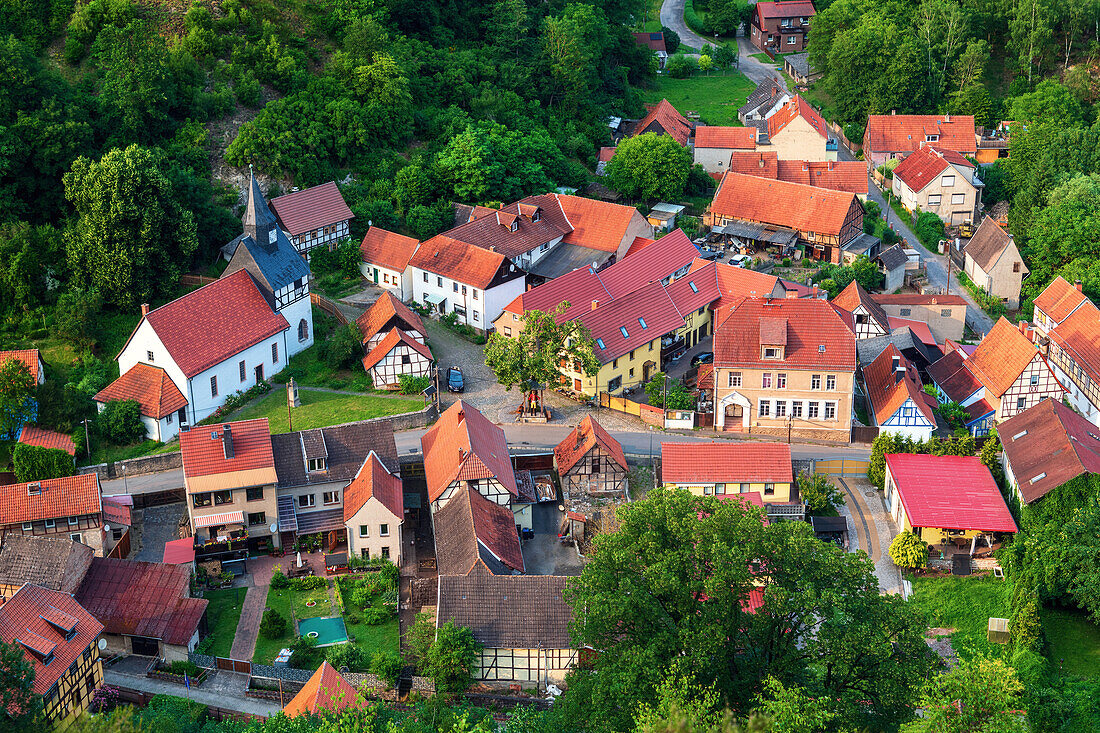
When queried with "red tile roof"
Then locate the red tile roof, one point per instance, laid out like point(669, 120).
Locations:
point(787, 9)
point(727, 462)
point(1079, 335)
point(594, 224)
point(43, 438)
point(853, 296)
point(951, 375)
point(901, 133)
point(312, 208)
point(705, 378)
point(151, 386)
point(379, 315)
point(949, 492)
point(672, 122)
point(389, 342)
point(920, 329)
point(638, 245)
point(116, 510)
point(924, 165)
point(652, 41)
point(58, 497)
point(605, 154)
point(582, 439)
point(917, 299)
point(464, 445)
point(849, 176)
point(466, 263)
point(387, 249)
point(759, 163)
point(888, 394)
point(179, 552)
point(29, 357)
point(728, 138)
point(1001, 357)
point(669, 254)
point(495, 528)
point(817, 337)
point(326, 690)
point(374, 480)
point(619, 323)
point(204, 454)
point(142, 599)
point(1047, 445)
point(792, 110)
point(24, 619)
point(232, 307)
point(800, 207)
point(1059, 299)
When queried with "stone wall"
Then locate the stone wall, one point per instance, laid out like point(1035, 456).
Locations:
point(136, 466)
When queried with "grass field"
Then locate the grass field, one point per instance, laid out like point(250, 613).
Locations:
point(291, 604)
point(103, 454)
point(714, 98)
point(222, 615)
point(966, 605)
point(1074, 642)
point(384, 637)
point(320, 409)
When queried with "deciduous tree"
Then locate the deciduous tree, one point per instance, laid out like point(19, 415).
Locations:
point(17, 404)
point(977, 695)
point(650, 166)
point(17, 696)
point(908, 551)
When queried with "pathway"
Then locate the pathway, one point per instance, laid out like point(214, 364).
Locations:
point(248, 627)
point(224, 690)
point(874, 528)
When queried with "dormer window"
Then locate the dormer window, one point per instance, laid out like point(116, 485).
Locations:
point(537, 216)
point(931, 138)
point(34, 489)
point(515, 225)
point(316, 464)
point(773, 352)
point(271, 236)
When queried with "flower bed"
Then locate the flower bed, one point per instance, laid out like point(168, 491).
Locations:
point(175, 673)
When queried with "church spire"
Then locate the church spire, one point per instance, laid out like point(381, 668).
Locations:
point(258, 221)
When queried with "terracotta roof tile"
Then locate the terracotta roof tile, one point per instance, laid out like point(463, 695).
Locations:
point(726, 462)
point(631, 321)
point(312, 208)
point(705, 378)
point(1001, 357)
point(759, 163)
point(922, 166)
point(466, 263)
point(470, 529)
point(326, 690)
point(43, 438)
point(817, 337)
point(389, 342)
point(582, 439)
point(374, 479)
point(672, 122)
point(726, 138)
point(917, 299)
point(902, 133)
point(508, 611)
point(28, 357)
point(800, 207)
point(949, 492)
point(854, 296)
point(388, 311)
point(786, 9)
point(1059, 299)
point(464, 445)
point(204, 453)
point(606, 153)
point(54, 498)
point(387, 249)
point(638, 245)
point(1047, 445)
point(848, 176)
point(652, 41)
point(1079, 334)
point(952, 376)
point(888, 394)
point(150, 386)
point(792, 110)
point(595, 224)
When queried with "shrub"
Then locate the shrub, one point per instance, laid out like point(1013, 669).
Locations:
point(378, 615)
point(681, 67)
point(120, 422)
point(273, 624)
point(672, 39)
point(450, 659)
point(387, 665)
point(819, 492)
point(929, 230)
point(786, 262)
point(182, 666)
point(311, 582)
point(305, 654)
point(1026, 627)
point(279, 580)
point(413, 385)
point(34, 463)
point(343, 348)
point(248, 91)
point(348, 655)
point(908, 551)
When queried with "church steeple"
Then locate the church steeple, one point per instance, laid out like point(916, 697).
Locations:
point(258, 221)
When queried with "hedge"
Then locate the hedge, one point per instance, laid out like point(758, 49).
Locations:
point(34, 463)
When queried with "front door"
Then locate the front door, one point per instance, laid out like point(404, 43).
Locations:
point(576, 385)
point(647, 370)
point(376, 276)
point(144, 647)
point(259, 373)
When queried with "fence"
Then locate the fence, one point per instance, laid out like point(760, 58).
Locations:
point(122, 549)
point(141, 699)
point(649, 414)
point(189, 280)
point(838, 130)
point(328, 307)
point(864, 433)
point(233, 665)
point(842, 467)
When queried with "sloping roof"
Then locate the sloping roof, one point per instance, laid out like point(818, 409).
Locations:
point(346, 446)
point(726, 138)
point(923, 165)
point(854, 296)
point(1001, 357)
point(631, 321)
point(326, 690)
point(888, 394)
point(838, 175)
point(1079, 334)
point(765, 91)
point(1047, 445)
point(817, 337)
point(151, 386)
point(952, 376)
point(464, 445)
point(142, 599)
point(794, 205)
point(312, 208)
point(29, 357)
point(24, 619)
point(796, 107)
point(726, 462)
point(919, 329)
point(759, 163)
point(638, 245)
point(117, 510)
point(387, 249)
point(203, 453)
point(917, 299)
point(55, 497)
point(949, 492)
point(232, 307)
point(667, 255)
point(458, 260)
point(471, 528)
point(385, 309)
point(389, 342)
point(179, 552)
point(56, 563)
point(582, 439)
point(899, 133)
point(494, 231)
point(786, 9)
point(592, 223)
point(672, 122)
point(652, 41)
point(43, 438)
point(893, 257)
point(508, 611)
point(374, 480)
point(1059, 299)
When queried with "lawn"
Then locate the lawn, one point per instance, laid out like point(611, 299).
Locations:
point(320, 409)
point(308, 368)
point(966, 605)
point(291, 604)
point(384, 637)
point(763, 58)
point(222, 615)
point(104, 453)
point(1074, 642)
point(714, 98)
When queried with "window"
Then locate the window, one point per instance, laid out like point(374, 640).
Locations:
point(766, 380)
point(213, 386)
point(386, 550)
point(614, 384)
point(507, 331)
point(149, 355)
point(275, 353)
point(830, 411)
point(454, 287)
point(364, 530)
point(642, 323)
point(780, 408)
point(477, 316)
point(1016, 266)
point(945, 312)
point(781, 381)
point(1034, 380)
point(765, 409)
point(475, 294)
point(257, 518)
point(830, 383)
point(958, 198)
point(331, 497)
point(786, 22)
point(906, 311)
point(75, 537)
point(307, 500)
point(719, 489)
point(438, 282)
point(631, 374)
point(815, 381)
point(708, 490)
point(599, 342)
point(931, 138)
point(771, 353)
point(743, 488)
point(223, 497)
point(240, 369)
point(769, 489)
point(734, 379)
point(50, 524)
point(168, 418)
point(406, 359)
point(34, 489)
point(73, 521)
point(383, 530)
point(425, 277)
point(947, 181)
point(303, 330)
point(796, 409)
point(1021, 403)
point(200, 500)
point(624, 332)
point(791, 40)
point(365, 552)
point(811, 410)
point(254, 493)
point(934, 199)
point(691, 284)
point(315, 464)
point(631, 354)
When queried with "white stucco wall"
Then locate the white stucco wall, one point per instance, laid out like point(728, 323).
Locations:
point(293, 313)
point(488, 304)
point(400, 282)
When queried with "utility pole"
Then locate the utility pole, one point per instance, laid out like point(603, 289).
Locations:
point(87, 442)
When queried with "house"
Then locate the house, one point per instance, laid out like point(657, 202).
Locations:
point(315, 469)
point(326, 691)
point(655, 42)
point(894, 136)
point(1069, 324)
point(229, 477)
point(145, 607)
point(761, 212)
point(767, 97)
point(1004, 376)
point(662, 217)
point(784, 367)
point(590, 462)
point(994, 264)
point(992, 144)
point(940, 181)
point(31, 359)
point(280, 273)
point(893, 262)
point(252, 343)
point(945, 315)
point(474, 533)
point(56, 563)
point(720, 469)
point(714, 145)
point(386, 256)
point(60, 507)
point(847, 176)
point(393, 342)
point(163, 407)
point(44, 438)
point(870, 319)
point(663, 119)
point(603, 157)
point(782, 26)
point(916, 352)
point(521, 621)
point(945, 499)
point(374, 512)
point(1044, 447)
point(59, 640)
point(313, 217)
point(797, 131)
point(899, 405)
point(797, 66)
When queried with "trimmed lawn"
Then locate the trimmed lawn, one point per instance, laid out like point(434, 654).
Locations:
point(715, 98)
point(103, 454)
point(222, 615)
point(1074, 642)
point(763, 58)
point(291, 604)
point(320, 409)
point(966, 605)
point(308, 369)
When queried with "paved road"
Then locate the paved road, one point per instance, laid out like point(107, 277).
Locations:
point(672, 16)
point(224, 690)
point(756, 71)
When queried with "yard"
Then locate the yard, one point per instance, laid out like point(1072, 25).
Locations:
point(372, 638)
point(965, 605)
point(320, 409)
point(291, 605)
point(1074, 642)
point(714, 98)
point(221, 616)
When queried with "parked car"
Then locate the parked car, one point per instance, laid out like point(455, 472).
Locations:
point(455, 382)
point(705, 357)
point(740, 260)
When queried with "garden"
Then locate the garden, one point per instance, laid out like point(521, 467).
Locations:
point(715, 97)
point(320, 409)
point(222, 615)
point(289, 600)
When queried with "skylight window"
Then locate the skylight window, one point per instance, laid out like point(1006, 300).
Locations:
point(691, 284)
point(1040, 477)
point(821, 349)
point(599, 342)
point(623, 331)
point(642, 322)
point(1019, 435)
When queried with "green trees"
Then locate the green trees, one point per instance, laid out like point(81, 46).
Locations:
point(670, 394)
point(34, 463)
point(120, 422)
point(17, 404)
point(650, 167)
point(819, 492)
point(17, 695)
point(977, 695)
point(908, 551)
point(451, 657)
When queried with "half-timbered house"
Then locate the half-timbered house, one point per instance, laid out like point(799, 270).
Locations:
point(313, 217)
point(393, 342)
point(591, 463)
point(899, 404)
point(56, 563)
point(473, 532)
point(68, 507)
point(1068, 325)
point(463, 449)
point(869, 317)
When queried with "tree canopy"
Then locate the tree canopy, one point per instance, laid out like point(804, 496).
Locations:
point(649, 167)
point(533, 358)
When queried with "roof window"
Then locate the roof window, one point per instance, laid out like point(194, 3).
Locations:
point(691, 284)
point(821, 349)
point(599, 342)
point(1019, 435)
point(1040, 477)
point(642, 323)
point(623, 331)
point(34, 489)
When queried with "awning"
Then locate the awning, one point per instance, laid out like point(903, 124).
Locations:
point(434, 299)
point(179, 552)
point(829, 524)
point(213, 520)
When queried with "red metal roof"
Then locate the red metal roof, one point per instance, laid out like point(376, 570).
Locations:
point(731, 138)
point(817, 337)
point(43, 438)
point(794, 205)
point(55, 497)
point(374, 480)
point(727, 462)
point(581, 440)
point(387, 249)
point(464, 445)
point(204, 452)
point(326, 690)
point(949, 492)
point(672, 122)
point(179, 552)
point(384, 309)
point(312, 208)
point(26, 618)
point(670, 253)
point(151, 386)
point(901, 133)
point(618, 325)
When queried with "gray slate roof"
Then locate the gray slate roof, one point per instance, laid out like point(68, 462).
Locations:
point(760, 95)
point(56, 563)
point(800, 62)
point(347, 447)
point(508, 611)
point(893, 257)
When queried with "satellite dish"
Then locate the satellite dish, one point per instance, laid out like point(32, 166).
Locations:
point(102, 644)
point(106, 528)
point(274, 527)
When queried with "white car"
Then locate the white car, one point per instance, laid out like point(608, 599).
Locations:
point(740, 260)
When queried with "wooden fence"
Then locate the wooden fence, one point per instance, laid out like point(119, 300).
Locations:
point(649, 414)
point(122, 549)
point(189, 279)
point(233, 665)
point(864, 433)
point(328, 307)
point(842, 467)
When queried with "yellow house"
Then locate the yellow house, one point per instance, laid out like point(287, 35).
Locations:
point(718, 469)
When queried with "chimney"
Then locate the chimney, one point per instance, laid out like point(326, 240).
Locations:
point(1077, 284)
point(1023, 327)
point(947, 118)
point(760, 163)
point(145, 307)
point(832, 165)
point(893, 111)
point(814, 291)
point(492, 248)
point(594, 304)
point(227, 442)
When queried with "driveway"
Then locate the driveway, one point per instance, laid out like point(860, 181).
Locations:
point(875, 529)
point(543, 554)
point(158, 525)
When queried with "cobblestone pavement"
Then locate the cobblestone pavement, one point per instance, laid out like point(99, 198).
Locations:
point(874, 528)
point(155, 526)
point(252, 612)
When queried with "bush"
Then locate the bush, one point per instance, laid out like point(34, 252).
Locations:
point(305, 654)
point(120, 422)
point(1026, 627)
point(273, 624)
point(379, 614)
point(348, 655)
point(236, 401)
point(929, 230)
point(681, 67)
point(387, 665)
point(182, 666)
point(248, 90)
point(908, 551)
point(310, 582)
point(343, 348)
point(279, 581)
point(672, 39)
point(34, 463)
point(786, 262)
point(819, 492)
point(413, 385)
